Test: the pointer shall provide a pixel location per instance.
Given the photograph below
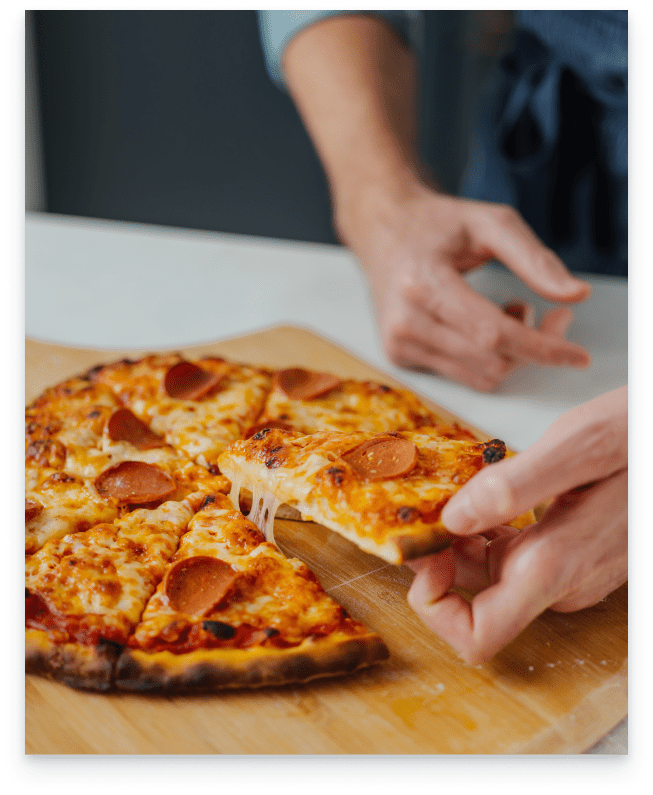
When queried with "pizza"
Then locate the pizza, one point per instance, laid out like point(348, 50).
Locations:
point(233, 611)
point(382, 491)
point(199, 407)
point(188, 596)
point(89, 458)
point(143, 574)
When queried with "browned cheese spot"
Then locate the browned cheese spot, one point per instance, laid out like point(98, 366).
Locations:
point(494, 450)
point(257, 430)
point(407, 514)
point(337, 475)
point(47, 452)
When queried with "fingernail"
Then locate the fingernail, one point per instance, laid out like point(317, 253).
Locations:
point(564, 281)
point(577, 360)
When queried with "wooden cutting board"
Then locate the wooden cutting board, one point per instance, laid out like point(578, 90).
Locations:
point(558, 688)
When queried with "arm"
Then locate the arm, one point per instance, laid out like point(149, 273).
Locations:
point(572, 558)
point(354, 83)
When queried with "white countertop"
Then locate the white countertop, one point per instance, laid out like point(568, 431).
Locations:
point(112, 284)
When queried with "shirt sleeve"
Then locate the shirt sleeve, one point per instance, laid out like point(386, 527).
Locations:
point(277, 28)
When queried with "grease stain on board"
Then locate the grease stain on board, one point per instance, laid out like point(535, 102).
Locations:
point(405, 708)
point(410, 711)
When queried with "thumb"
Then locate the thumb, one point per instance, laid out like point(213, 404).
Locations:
point(586, 444)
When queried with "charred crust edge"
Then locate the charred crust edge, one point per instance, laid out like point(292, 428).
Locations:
point(494, 450)
point(80, 667)
point(140, 672)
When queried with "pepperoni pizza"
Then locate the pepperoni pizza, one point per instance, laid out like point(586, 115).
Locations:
point(140, 572)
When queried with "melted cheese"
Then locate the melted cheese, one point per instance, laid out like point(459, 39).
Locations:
point(68, 507)
point(111, 570)
point(352, 406)
point(273, 592)
point(200, 428)
point(264, 508)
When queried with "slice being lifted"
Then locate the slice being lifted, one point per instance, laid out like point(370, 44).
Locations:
point(232, 611)
point(383, 491)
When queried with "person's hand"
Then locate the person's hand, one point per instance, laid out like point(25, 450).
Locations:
point(354, 82)
point(415, 247)
point(571, 559)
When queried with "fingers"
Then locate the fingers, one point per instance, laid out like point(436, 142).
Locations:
point(590, 593)
point(574, 557)
point(505, 233)
point(541, 346)
point(434, 576)
point(416, 339)
point(441, 292)
point(416, 356)
point(585, 444)
point(463, 564)
point(431, 318)
point(590, 528)
point(479, 629)
point(557, 322)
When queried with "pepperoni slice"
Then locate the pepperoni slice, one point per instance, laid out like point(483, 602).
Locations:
point(188, 381)
point(134, 482)
point(196, 585)
point(124, 426)
point(32, 509)
point(299, 384)
point(378, 459)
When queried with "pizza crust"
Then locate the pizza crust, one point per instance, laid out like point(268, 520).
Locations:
point(210, 669)
point(81, 667)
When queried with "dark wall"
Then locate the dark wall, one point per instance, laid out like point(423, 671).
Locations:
point(169, 117)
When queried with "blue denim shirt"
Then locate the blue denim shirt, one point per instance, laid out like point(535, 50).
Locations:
point(552, 131)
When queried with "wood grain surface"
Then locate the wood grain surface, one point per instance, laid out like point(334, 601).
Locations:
point(558, 688)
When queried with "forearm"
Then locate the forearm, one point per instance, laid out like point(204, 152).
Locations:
point(355, 83)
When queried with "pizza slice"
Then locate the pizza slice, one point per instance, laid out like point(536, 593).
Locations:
point(310, 401)
point(85, 592)
point(198, 407)
point(89, 460)
point(232, 611)
point(383, 491)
